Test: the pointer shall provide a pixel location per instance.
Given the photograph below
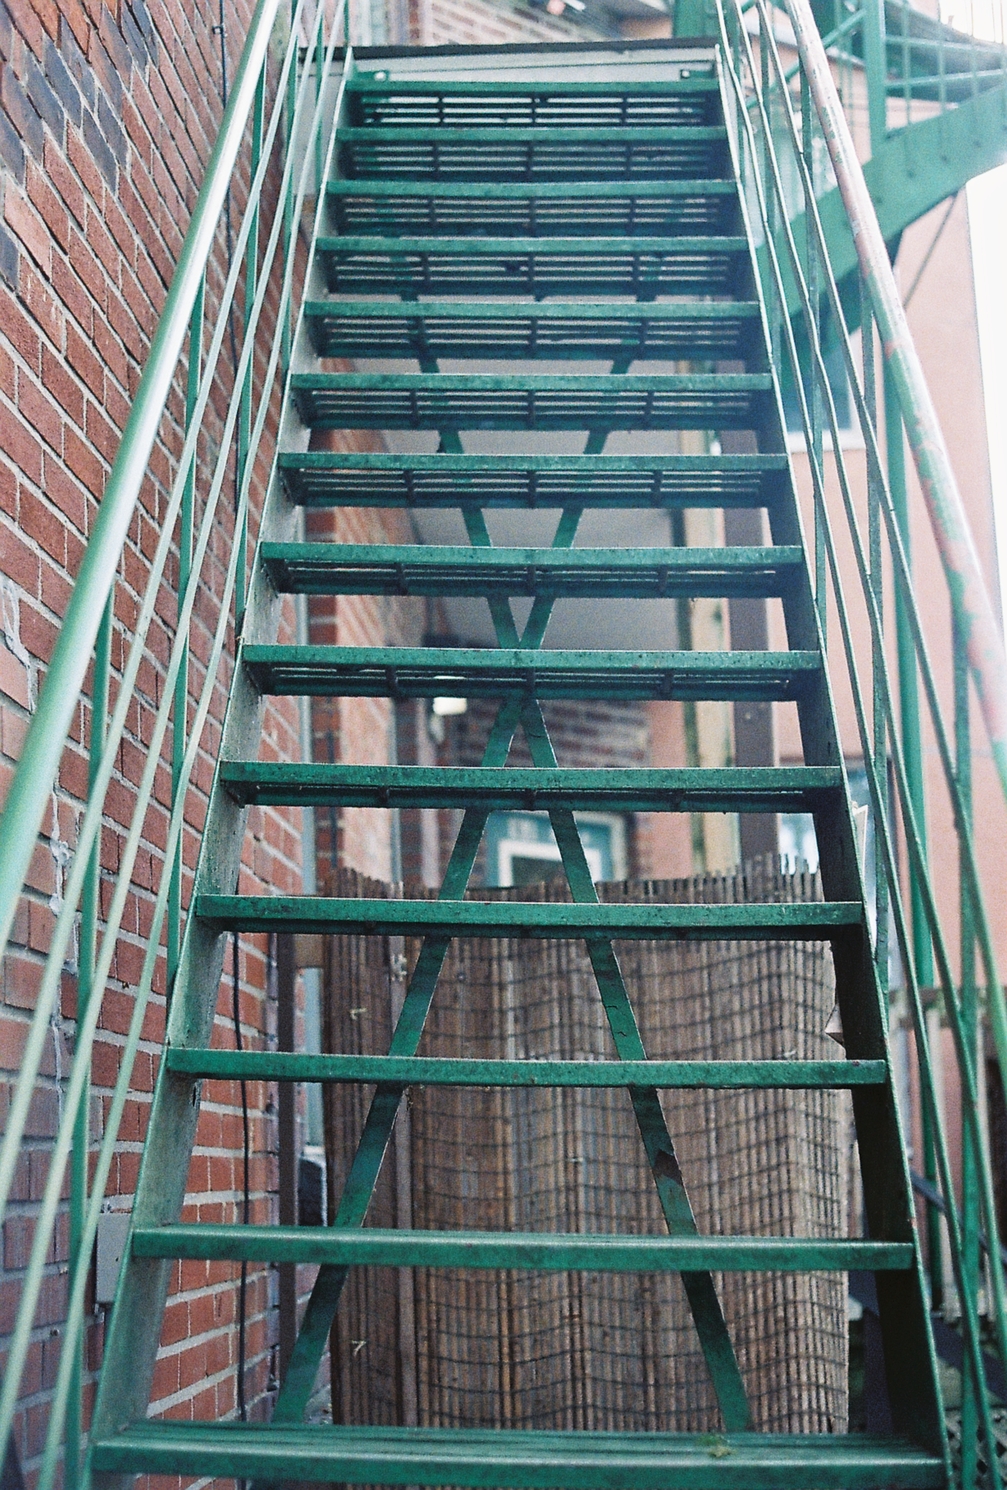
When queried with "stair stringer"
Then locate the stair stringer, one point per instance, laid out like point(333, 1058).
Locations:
point(133, 1338)
point(910, 1357)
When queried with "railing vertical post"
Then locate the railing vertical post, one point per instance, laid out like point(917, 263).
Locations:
point(767, 176)
point(245, 411)
point(907, 90)
point(875, 67)
point(181, 701)
point(971, 1161)
point(89, 911)
point(319, 145)
point(912, 753)
point(287, 207)
point(880, 744)
point(814, 392)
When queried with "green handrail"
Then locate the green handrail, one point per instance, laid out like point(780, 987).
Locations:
point(245, 400)
point(973, 610)
point(877, 728)
point(43, 746)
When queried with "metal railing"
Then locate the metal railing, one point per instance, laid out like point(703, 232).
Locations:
point(778, 138)
point(278, 96)
point(912, 62)
point(786, 119)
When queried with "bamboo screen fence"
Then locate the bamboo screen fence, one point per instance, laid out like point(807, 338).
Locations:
point(540, 1350)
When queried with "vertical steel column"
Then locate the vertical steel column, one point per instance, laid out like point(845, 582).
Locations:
point(912, 754)
point(181, 701)
point(89, 910)
point(814, 391)
point(876, 70)
point(286, 984)
point(880, 741)
point(971, 1161)
point(286, 324)
point(245, 408)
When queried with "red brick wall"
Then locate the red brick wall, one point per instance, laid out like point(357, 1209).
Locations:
point(108, 113)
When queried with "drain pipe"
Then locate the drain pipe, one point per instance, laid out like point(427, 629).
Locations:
point(970, 599)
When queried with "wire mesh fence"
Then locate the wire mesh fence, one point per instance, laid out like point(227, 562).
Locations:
point(590, 1350)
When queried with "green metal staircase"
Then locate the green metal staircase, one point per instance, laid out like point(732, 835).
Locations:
point(474, 217)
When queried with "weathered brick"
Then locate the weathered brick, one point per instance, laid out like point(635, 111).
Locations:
point(9, 259)
point(42, 524)
point(72, 296)
point(87, 268)
point(110, 127)
point(11, 148)
point(26, 21)
point(48, 206)
point(86, 364)
point(48, 13)
point(61, 83)
point(42, 303)
point(74, 32)
point(47, 104)
point(63, 387)
point(40, 412)
point(100, 152)
point(26, 225)
point(83, 462)
point(22, 446)
point(6, 34)
point(21, 113)
point(80, 159)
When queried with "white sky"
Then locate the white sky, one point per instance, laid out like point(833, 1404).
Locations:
point(987, 197)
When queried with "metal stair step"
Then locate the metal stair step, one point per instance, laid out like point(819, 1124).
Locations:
point(462, 672)
point(649, 573)
point(514, 1459)
point(521, 153)
point(413, 1070)
point(527, 401)
point(536, 1251)
point(528, 789)
point(785, 921)
point(323, 478)
point(640, 265)
point(472, 672)
point(572, 329)
point(690, 98)
point(603, 208)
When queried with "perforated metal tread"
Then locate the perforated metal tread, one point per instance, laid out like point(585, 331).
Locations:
point(568, 330)
point(527, 789)
point(389, 569)
point(542, 153)
point(469, 672)
point(544, 209)
point(533, 401)
point(320, 478)
point(642, 266)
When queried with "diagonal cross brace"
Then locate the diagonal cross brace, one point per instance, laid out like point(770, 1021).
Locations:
point(362, 1178)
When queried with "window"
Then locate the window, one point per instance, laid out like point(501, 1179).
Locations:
point(521, 848)
point(835, 369)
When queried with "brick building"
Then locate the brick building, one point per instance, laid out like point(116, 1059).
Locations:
point(109, 114)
